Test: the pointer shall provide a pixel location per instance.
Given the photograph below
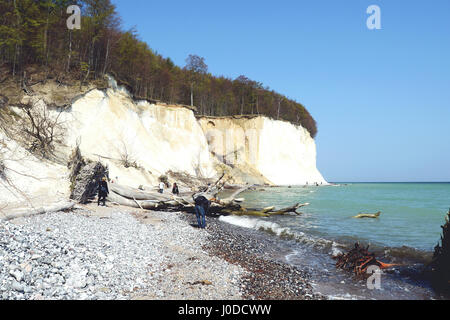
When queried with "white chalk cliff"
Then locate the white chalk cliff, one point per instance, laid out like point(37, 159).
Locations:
point(283, 153)
point(108, 125)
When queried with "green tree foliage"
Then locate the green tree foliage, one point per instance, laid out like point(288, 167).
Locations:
point(34, 34)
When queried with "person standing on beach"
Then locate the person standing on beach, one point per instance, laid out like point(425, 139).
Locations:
point(175, 190)
point(201, 210)
point(103, 191)
point(161, 187)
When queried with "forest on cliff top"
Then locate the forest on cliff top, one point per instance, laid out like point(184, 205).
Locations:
point(35, 39)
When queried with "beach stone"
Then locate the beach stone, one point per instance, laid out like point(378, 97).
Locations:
point(85, 257)
point(17, 286)
point(18, 275)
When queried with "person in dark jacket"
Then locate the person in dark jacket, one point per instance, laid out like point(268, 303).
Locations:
point(103, 191)
point(175, 190)
point(201, 210)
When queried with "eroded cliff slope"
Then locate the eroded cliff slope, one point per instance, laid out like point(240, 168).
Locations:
point(141, 141)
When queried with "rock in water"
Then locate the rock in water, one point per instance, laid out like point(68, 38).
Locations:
point(85, 175)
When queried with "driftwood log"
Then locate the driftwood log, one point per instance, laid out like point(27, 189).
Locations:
point(135, 198)
point(137, 194)
point(144, 204)
point(28, 213)
point(368, 215)
point(267, 212)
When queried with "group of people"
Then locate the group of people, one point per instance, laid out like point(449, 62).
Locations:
point(202, 205)
point(175, 190)
point(314, 184)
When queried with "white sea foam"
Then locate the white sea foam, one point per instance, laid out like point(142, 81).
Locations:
point(329, 246)
point(289, 257)
point(257, 224)
point(335, 251)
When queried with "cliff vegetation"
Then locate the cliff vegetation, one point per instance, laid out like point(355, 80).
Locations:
point(36, 45)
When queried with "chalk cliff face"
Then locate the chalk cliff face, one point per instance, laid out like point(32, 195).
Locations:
point(111, 127)
point(108, 125)
point(27, 178)
point(281, 152)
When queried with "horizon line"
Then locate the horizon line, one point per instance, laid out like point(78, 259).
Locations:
point(389, 182)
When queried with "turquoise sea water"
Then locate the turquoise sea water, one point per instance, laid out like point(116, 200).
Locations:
point(405, 234)
point(412, 213)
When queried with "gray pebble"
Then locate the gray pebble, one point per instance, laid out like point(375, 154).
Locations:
point(17, 286)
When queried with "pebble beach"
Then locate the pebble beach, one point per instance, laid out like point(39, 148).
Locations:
point(117, 254)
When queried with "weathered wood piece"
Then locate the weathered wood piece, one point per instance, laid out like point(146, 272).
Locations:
point(131, 193)
point(358, 260)
point(33, 212)
point(144, 204)
point(135, 198)
point(267, 212)
point(368, 215)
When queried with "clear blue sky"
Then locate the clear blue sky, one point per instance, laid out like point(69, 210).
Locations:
point(381, 98)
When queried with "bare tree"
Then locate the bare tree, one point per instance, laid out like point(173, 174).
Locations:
point(41, 129)
point(279, 100)
point(244, 83)
point(126, 157)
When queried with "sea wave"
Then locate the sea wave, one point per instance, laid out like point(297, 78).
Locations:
point(402, 255)
point(409, 254)
point(257, 224)
point(274, 228)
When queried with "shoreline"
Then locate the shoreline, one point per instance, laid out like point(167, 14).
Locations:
point(267, 278)
point(118, 253)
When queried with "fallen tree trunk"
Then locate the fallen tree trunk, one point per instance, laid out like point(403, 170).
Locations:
point(232, 199)
point(292, 209)
point(215, 186)
point(137, 194)
point(267, 212)
point(28, 213)
point(155, 201)
point(368, 215)
point(244, 212)
point(173, 203)
point(142, 204)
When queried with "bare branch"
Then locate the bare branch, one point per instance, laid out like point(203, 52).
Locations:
point(41, 129)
